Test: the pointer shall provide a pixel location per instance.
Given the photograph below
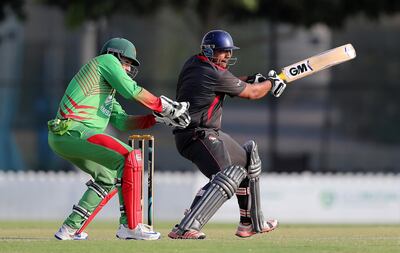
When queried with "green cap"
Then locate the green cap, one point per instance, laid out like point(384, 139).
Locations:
point(122, 46)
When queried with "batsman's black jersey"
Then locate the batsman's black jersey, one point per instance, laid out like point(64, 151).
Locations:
point(204, 85)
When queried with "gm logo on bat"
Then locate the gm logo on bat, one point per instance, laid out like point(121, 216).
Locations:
point(299, 68)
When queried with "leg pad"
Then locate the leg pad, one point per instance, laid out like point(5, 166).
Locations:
point(132, 188)
point(222, 187)
point(254, 167)
point(257, 217)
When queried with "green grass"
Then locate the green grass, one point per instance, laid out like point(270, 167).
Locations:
point(38, 237)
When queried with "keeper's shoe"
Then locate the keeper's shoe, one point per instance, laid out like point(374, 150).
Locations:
point(177, 233)
point(141, 232)
point(247, 230)
point(67, 233)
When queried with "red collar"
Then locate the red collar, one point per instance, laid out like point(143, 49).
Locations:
point(205, 59)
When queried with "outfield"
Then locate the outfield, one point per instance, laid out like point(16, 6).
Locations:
point(37, 237)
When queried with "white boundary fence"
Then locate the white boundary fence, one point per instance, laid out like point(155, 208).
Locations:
point(300, 198)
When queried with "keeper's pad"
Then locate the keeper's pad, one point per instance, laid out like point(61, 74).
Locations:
point(257, 217)
point(132, 188)
point(254, 161)
point(222, 187)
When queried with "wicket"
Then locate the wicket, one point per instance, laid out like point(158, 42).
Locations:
point(141, 141)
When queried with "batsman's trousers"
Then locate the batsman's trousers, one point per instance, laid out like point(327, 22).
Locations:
point(212, 151)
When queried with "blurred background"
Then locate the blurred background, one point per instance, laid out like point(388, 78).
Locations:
point(342, 120)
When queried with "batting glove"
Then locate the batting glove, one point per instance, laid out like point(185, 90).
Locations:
point(256, 78)
point(278, 85)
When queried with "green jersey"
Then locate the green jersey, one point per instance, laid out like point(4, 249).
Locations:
point(90, 96)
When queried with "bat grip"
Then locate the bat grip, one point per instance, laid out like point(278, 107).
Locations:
point(282, 76)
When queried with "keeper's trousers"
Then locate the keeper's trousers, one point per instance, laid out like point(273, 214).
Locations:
point(100, 155)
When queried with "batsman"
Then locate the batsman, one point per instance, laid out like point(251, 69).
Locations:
point(77, 135)
point(205, 82)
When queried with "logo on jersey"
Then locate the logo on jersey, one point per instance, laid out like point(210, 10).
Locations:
point(213, 139)
point(106, 107)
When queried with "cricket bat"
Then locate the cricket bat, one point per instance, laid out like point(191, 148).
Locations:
point(317, 63)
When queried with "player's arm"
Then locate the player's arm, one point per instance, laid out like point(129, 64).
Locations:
point(257, 86)
point(166, 110)
point(122, 121)
point(256, 91)
point(134, 122)
point(116, 76)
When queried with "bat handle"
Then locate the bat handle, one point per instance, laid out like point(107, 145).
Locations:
point(282, 76)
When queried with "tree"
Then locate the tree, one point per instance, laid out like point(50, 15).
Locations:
point(79, 11)
point(14, 6)
point(201, 15)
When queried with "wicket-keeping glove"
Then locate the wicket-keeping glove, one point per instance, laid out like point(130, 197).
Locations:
point(174, 114)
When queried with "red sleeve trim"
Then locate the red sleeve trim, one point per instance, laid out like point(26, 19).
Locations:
point(150, 101)
point(145, 122)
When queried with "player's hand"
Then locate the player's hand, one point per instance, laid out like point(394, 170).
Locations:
point(278, 85)
point(181, 121)
point(174, 114)
point(173, 109)
point(256, 78)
